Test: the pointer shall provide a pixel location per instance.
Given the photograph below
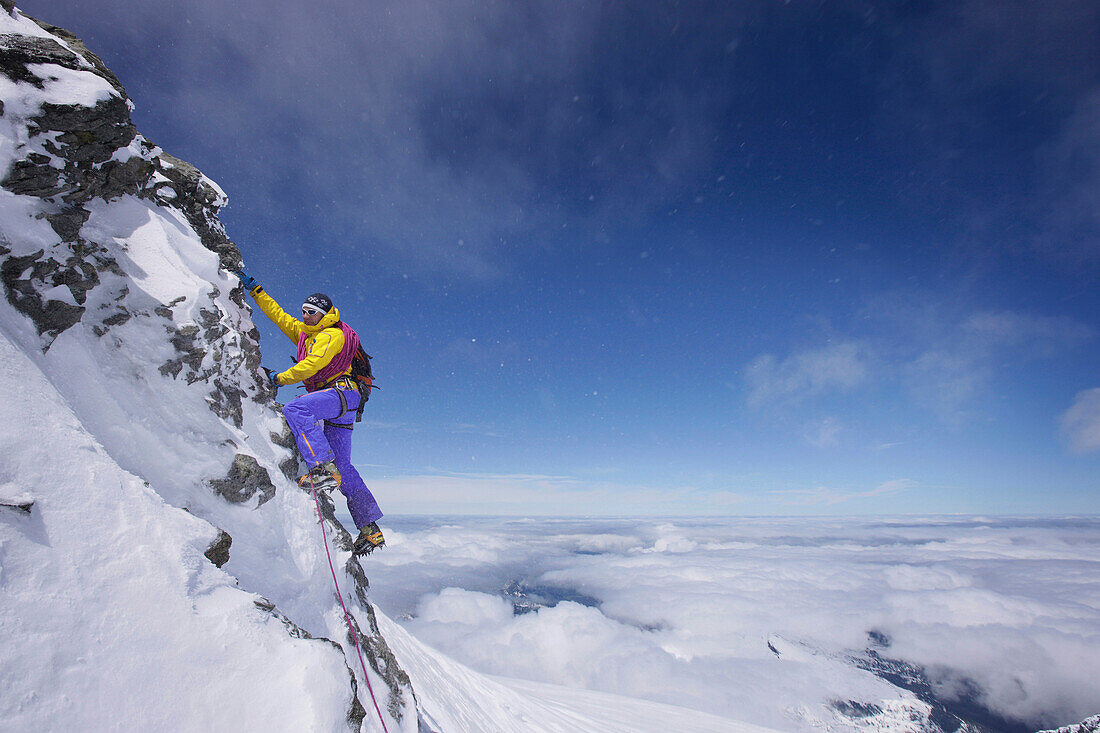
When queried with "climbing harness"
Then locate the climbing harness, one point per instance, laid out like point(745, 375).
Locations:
point(347, 615)
point(340, 385)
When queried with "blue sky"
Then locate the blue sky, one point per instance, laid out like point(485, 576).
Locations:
point(616, 258)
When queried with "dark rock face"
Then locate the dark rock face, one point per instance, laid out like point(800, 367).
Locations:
point(856, 710)
point(526, 598)
point(285, 439)
point(18, 51)
point(190, 192)
point(218, 552)
point(20, 275)
point(77, 154)
point(98, 67)
point(85, 139)
point(246, 479)
point(228, 357)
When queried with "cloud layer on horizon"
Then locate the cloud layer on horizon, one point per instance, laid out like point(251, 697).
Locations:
point(682, 611)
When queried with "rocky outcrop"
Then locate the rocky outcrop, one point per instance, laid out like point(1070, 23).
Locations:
point(356, 712)
point(68, 158)
point(23, 506)
point(289, 466)
point(961, 711)
point(71, 155)
point(193, 193)
point(218, 552)
point(246, 479)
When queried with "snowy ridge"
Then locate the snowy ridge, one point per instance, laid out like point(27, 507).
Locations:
point(1085, 726)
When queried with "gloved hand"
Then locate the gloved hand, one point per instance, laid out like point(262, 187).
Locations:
point(247, 280)
point(271, 374)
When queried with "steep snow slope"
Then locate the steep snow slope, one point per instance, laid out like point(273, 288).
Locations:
point(111, 616)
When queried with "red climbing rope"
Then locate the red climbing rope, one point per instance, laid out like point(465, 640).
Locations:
point(347, 616)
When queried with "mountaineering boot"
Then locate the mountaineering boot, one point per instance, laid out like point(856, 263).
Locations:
point(323, 477)
point(369, 538)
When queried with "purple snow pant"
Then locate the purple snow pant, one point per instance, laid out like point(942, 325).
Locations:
point(318, 443)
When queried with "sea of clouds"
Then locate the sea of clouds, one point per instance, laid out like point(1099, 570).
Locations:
point(755, 617)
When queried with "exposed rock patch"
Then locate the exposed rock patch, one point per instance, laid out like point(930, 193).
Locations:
point(371, 641)
point(218, 552)
point(246, 479)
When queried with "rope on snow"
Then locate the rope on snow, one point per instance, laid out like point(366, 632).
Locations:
point(347, 614)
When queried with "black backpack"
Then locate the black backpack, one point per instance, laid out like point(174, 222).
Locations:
point(364, 379)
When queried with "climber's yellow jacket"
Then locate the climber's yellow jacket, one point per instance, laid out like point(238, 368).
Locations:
point(322, 344)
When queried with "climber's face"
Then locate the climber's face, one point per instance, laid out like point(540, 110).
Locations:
point(311, 316)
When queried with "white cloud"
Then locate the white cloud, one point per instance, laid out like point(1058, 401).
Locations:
point(686, 608)
point(836, 367)
point(1035, 336)
point(952, 364)
point(955, 360)
point(947, 381)
point(824, 434)
point(922, 578)
point(950, 376)
point(1081, 422)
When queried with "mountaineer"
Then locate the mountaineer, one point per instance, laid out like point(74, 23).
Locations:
point(322, 419)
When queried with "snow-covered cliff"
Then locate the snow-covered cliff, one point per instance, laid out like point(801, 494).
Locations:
point(158, 568)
